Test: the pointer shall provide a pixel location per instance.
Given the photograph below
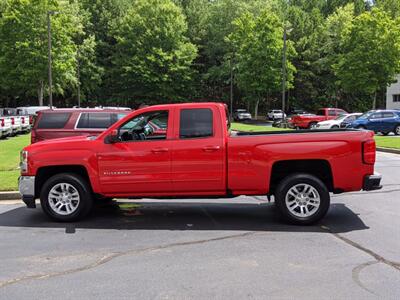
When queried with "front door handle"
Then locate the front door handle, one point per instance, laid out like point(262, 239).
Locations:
point(211, 148)
point(159, 150)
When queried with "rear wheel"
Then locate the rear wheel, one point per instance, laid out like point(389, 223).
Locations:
point(66, 197)
point(397, 130)
point(335, 127)
point(302, 199)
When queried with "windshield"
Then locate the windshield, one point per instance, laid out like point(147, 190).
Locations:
point(366, 115)
point(341, 117)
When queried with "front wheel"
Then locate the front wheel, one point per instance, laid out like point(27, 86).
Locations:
point(302, 199)
point(66, 197)
point(397, 130)
point(312, 125)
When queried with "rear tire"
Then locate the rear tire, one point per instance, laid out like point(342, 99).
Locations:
point(66, 197)
point(335, 127)
point(302, 199)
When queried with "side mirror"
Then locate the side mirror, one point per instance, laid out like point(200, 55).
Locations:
point(113, 136)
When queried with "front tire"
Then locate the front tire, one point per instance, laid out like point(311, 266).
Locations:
point(397, 130)
point(66, 197)
point(302, 199)
point(312, 125)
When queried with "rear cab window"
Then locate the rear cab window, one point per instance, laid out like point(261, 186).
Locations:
point(196, 123)
point(53, 120)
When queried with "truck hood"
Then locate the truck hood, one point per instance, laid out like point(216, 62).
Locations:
point(66, 143)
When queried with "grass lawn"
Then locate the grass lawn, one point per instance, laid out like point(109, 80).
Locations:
point(9, 161)
point(388, 142)
point(249, 127)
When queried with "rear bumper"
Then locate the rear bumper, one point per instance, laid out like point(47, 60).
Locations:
point(26, 186)
point(372, 182)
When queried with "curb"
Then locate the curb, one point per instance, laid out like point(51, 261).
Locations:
point(388, 150)
point(13, 195)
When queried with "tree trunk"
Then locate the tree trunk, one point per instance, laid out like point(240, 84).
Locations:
point(40, 93)
point(374, 103)
point(256, 109)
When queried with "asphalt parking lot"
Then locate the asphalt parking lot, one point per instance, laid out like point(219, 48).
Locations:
point(223, 249)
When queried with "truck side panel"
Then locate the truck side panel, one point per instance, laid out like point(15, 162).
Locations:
point(250, 158)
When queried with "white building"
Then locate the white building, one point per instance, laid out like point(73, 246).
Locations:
point(393, 95)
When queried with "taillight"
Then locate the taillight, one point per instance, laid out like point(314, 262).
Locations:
point(30, 120)
point(12, 121)
point(369, 152)
point(23, 120)
point(2, 122)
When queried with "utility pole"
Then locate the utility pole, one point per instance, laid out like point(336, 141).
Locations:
point(284, 70)
point(50, 12)
point(79, 81)
point(231, 88)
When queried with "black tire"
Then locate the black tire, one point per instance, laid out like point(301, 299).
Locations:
point(335, 127)
point(397, 130)
point(385, 133)
point(312, 125)
point(81, 186)
point(302, 178)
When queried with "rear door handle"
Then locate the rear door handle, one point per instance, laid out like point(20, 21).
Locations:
point(211, 148)
point(159, 150)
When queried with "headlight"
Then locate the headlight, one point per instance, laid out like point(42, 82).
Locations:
point(23, 165)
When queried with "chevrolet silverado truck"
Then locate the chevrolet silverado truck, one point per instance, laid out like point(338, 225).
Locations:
point(193, 153)
point(309, 121)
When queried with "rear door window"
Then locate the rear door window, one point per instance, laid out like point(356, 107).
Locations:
point(196, 123)
point(331, 112)
point(53, 120)
point(388, 115)
point(95, 120)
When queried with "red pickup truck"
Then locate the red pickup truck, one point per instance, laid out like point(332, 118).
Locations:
point(309, 121)
point(192, 152)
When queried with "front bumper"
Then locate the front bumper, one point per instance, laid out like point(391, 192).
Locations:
point(372, 182)
point(26, 187)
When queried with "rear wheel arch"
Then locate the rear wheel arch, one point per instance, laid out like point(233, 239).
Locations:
point(317, 167)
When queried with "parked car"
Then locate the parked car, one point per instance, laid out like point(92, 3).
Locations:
point(310, 121)
point(384, 121)
point(276, 114)
point(241, 115)
point(196, 156)
point(60, 123)
point(31, 111)
point(339, 122)
point(5, 126)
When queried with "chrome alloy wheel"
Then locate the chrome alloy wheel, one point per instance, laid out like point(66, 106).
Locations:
point(64, 199)
point(302, 200)
point(397, 130)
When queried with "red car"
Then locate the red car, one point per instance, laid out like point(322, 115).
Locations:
point(195, 154)
point(309, 121)
point(66, 122)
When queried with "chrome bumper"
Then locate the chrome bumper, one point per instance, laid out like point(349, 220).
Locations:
point(26, 187)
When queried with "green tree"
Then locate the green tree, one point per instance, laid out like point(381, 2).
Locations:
point(153, 57)
point(371, 57)
point(23, 47)
point(258, 44)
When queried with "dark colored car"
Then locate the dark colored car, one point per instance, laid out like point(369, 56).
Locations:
point(384, 121)
point(59, 123)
